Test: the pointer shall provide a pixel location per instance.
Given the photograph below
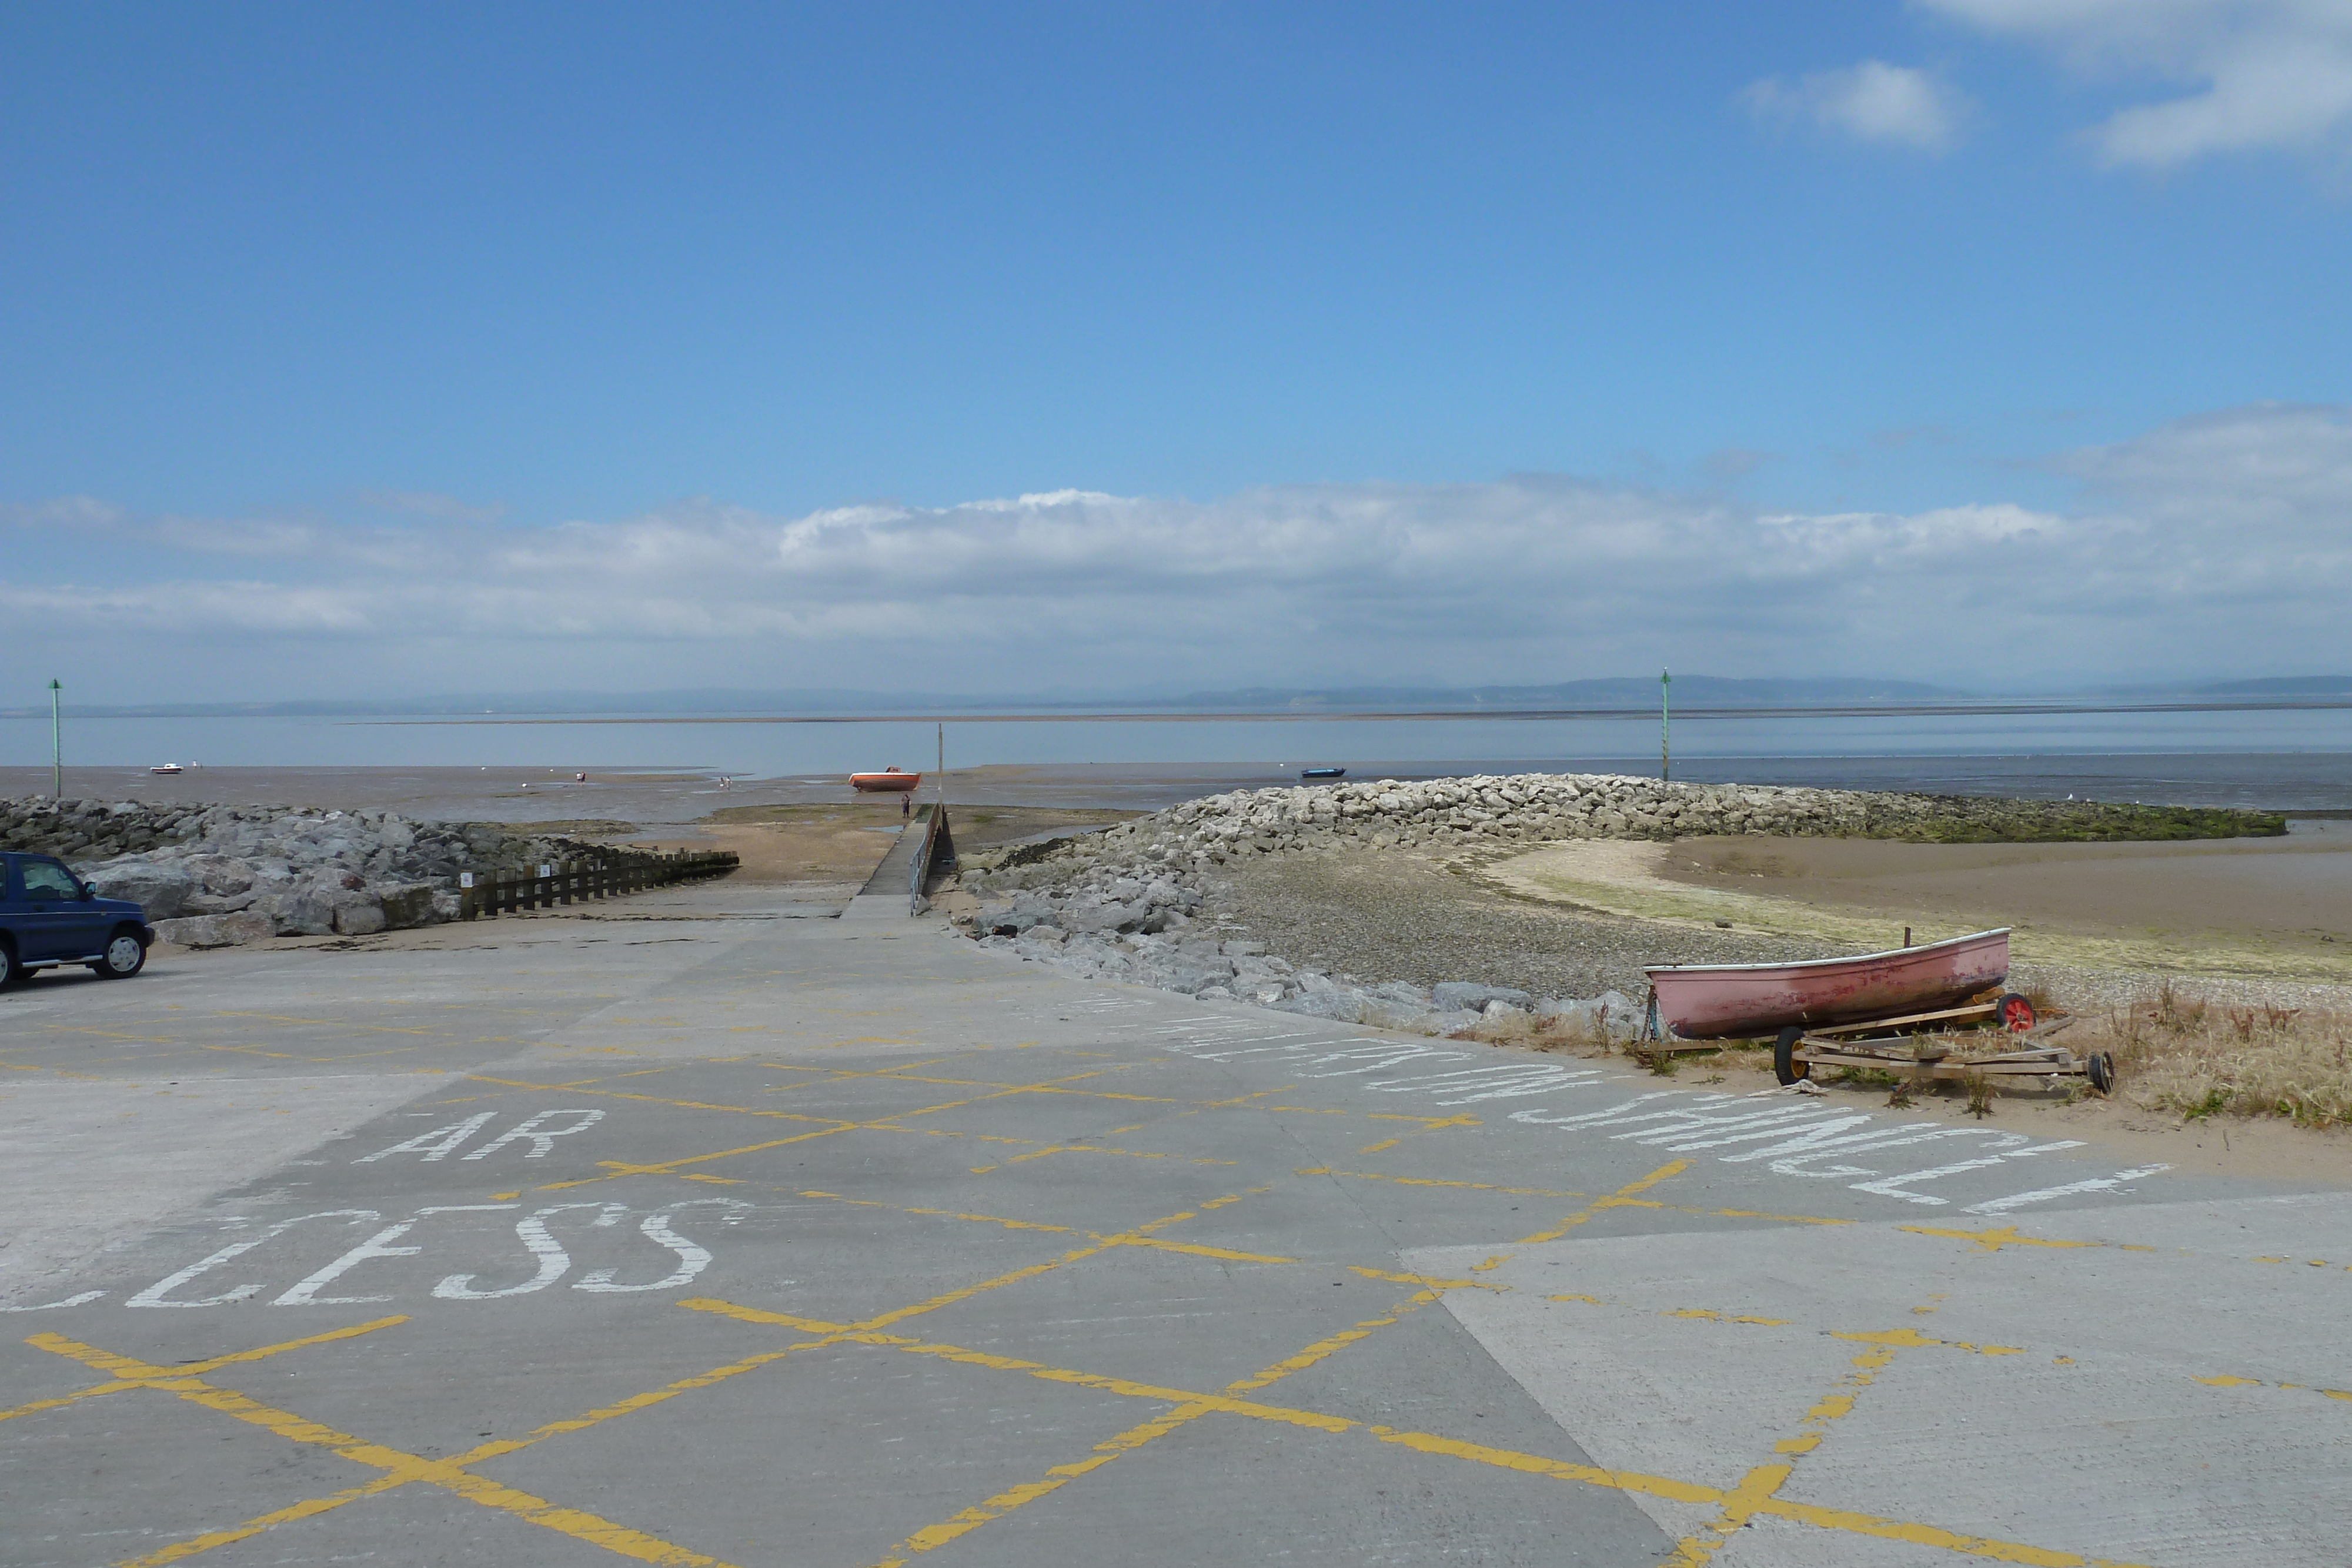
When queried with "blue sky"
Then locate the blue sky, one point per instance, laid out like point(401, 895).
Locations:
point(311, 309)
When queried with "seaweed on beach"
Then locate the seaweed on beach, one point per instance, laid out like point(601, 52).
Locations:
point(1977, 820)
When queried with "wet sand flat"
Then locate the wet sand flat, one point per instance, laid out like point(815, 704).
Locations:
point(647, 797)
point(2298, 886)
point(2273, 907)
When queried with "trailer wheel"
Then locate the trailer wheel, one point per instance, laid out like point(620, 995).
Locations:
point(2014, 1013)
point(2101, 1071)
point(1785, 1065)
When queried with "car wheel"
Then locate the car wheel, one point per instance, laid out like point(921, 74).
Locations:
point(11, 971)
point(125, 957)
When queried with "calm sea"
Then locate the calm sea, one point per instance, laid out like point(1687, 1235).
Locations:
point(2288, 759)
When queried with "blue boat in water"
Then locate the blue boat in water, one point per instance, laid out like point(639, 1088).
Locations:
point(1323, 773)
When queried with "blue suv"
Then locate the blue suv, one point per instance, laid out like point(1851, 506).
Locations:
point(49, 916)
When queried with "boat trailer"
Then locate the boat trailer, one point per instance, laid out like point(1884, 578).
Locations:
point(1928, 1045)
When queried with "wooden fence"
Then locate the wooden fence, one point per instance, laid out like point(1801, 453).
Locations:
point(576, 882)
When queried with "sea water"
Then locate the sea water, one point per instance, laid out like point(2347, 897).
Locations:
point(2275, 757)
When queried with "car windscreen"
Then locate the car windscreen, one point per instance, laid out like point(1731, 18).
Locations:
point(47, 879)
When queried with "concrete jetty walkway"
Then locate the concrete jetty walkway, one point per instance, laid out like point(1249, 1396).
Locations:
point(711, 1228)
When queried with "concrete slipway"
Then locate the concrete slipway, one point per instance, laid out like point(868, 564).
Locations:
point(708, 1229)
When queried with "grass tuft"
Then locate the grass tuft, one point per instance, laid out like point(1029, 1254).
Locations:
point(1980, 1088)
point(2180, 1052)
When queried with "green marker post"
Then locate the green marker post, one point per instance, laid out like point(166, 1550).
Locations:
point(1666, 730)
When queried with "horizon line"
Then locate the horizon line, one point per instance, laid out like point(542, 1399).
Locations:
point(1260, 715)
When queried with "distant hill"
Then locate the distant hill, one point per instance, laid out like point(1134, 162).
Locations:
point(1691, 692)
point(2281, 686)
point(1632, 691)
point(1628, 691)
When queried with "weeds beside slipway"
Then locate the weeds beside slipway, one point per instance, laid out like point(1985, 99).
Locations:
point(2194, 1057)
point(2174, 1051)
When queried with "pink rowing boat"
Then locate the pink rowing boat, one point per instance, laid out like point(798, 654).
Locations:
point(889, 778)
point(1726, 1001)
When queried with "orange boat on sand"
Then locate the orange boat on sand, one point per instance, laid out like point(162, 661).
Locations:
point(889, 779)
point(1729, 1001)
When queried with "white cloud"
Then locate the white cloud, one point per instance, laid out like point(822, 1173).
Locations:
point(2268, 73)
point(65, 514)
point(2212, 545)
point(1873, 102)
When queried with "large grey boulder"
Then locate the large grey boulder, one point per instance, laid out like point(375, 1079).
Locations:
point(1344, 1005)
point(220, 876)
point(301, 914)
point(1611, 1016)
point(407, 903)
point(1620, 1014)
point(356, 915)
point(215, 930)
point(224, 883)
point(161, 891)
point(1449, 995)
point(1104, 918)
point(1188, 973)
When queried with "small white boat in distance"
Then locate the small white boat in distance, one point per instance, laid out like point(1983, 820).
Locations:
point(167, 767)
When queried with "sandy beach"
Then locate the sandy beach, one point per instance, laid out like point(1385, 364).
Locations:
point(2273, 909)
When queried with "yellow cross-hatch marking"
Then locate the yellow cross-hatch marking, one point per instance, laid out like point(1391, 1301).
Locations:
point(401, 1468)
point(1134, 1437)
point(129, 1374)
point(830, 1127)
point(1756, 1495)
point(1625, 1196)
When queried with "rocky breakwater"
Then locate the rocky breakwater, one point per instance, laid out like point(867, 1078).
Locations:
point(1137, 903)
point(1469, 814)
point(211, 876)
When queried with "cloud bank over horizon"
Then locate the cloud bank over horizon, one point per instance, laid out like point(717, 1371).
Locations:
point(2206, 547)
